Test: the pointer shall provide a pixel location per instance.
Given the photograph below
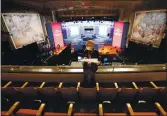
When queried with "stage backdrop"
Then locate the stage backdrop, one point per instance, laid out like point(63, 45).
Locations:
point(24, 28)
point(148, 27)
point(78, 32)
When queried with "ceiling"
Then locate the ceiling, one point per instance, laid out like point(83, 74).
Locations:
point(83, 8)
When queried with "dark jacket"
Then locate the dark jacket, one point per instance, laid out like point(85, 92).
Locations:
point(92, 54)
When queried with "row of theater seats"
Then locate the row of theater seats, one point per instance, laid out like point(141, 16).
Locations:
point(78, 101)
point(74, 84)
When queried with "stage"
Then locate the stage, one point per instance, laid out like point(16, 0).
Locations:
point(115, 73)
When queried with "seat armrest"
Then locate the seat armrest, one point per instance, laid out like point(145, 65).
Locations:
point(42, 85)
point(11, 110)
point(153, 84)
point(97, 86)
point(135, 86)
point(130, 109)
point(100, 110)
point(116, 85)
point(24, 85)
point(60, 85)
point(78, 85)
point(160, 108)
point(10, 82)
point(40, 110)
point(70, 109)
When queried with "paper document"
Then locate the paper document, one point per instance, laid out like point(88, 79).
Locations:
point(93, 60)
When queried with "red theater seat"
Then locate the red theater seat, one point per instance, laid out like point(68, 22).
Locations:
point(10, 111)
point(147, 94)
point(85, 114)
point(30, 111)
point(87, 104)
point(126, 95)
point(115, 114)
point(10, 93)
point(67, 112)
point(68, 94)
point(132, 112)
point(26, 112)
point(107, 94)
point(48, 94)
point(54, 114)
point(88, 93)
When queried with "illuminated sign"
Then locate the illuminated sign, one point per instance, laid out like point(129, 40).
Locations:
point(57, 34)
point(118, 31)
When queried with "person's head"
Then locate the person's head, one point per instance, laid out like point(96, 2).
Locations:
point(58, 46)
point(90, 45)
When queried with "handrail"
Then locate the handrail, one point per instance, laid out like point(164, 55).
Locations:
point(69, 69)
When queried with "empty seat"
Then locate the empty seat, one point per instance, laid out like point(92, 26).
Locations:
point(125, 85)
point(126, 95)
point(11, 94)
point(110, 109)
point(9, 109)
point(147, 94)
point(163, 112)
point(161, 83)
point(3, 83)
point(68, 94)
point(51, 84)
point(28, 94)
point(33, 84)
point(87, 94)
point(16, 84)
point(87, 103)
point(106, 85)
point(66, 84)
point(24, 110)
point(144, 84)
point(61, 111)
point(161, 97)
point(107, 94)
point(48, 94)
point(142, 109)
point(7, 84)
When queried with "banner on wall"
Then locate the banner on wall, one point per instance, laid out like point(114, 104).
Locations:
point(57, 34)
point(24, 28)
point(118, 31)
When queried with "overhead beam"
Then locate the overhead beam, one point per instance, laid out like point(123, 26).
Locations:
point(91, 15)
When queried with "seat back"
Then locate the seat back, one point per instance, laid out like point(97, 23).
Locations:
point(126, 95)
point(48, 93)
point(107, 94)
point(28, 93)
point(162, 96)
point(68, 94)
point(147, 94)
point(87, 94)
point(10, 93)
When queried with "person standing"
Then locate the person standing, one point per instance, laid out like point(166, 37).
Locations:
point(89, 69)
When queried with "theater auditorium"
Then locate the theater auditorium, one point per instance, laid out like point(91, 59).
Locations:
point(83, 57)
